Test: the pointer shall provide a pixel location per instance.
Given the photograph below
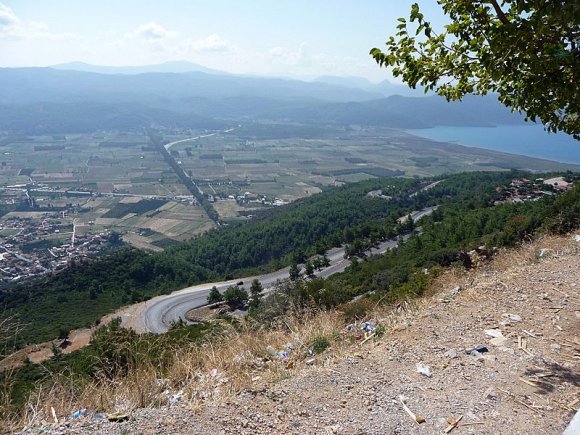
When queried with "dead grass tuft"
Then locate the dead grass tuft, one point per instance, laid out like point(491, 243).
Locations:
point(212, 371)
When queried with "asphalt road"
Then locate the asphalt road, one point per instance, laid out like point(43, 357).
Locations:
point(161, 311)
point(416, 215)
point(170, 144)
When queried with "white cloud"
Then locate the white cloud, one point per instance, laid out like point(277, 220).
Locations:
point(292, 57)
point(152, 37)
point(210, 44)
point(12, 27)
point(153, 32)
point(7, 17)
point(303, 62)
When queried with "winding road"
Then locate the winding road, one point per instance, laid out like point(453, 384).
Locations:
point(160, 312)
point(157, 314)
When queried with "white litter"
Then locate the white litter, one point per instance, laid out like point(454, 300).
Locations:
point(493, 333)
point(423, 369)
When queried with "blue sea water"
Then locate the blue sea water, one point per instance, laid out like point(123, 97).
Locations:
point(529, 140)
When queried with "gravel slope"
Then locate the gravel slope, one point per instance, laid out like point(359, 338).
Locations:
point(507, 390)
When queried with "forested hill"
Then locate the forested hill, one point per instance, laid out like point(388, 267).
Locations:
point(73, 101)
point(81, 294)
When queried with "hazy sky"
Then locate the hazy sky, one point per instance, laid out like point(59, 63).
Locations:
point(304, 38)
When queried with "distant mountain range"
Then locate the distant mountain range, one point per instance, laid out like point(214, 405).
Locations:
point(36, 100)
point(385, 88)
point(48, 84)
point(176, 67)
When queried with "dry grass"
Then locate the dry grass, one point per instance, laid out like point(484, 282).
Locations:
point(245, 358)
point(530, 252)
point(506, 261)
point(212, 371)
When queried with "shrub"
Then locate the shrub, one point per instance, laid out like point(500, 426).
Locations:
point(320, 344)
point(235, 296)
point(214, 296)
point(356, 310)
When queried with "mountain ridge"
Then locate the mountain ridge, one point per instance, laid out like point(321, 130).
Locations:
point(216, 99)
point(174, 66)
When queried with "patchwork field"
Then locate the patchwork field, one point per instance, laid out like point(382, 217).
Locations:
point(103, 162)
point(289, 168)
point(158, 223)
point(154, 220)
point(120, 182)
point(104, 181)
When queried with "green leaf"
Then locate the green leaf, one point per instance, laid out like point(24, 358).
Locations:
point(523, 54)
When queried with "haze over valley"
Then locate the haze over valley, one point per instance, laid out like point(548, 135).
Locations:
point(248, 143)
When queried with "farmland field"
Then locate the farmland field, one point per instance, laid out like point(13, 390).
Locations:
point(119, 181)
point(290, 168)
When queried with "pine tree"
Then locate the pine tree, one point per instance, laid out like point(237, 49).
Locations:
point(294, 272)
point(256, 291)
point(214, 296)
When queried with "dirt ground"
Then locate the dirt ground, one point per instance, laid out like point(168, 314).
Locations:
point(131, 316)
point(525, 312)
point(38, 353)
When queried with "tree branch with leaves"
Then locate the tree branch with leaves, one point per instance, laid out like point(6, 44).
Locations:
point(525, 51)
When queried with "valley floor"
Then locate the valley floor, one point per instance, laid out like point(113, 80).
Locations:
point(527, 382)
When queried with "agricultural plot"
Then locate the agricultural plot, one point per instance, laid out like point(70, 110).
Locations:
point(230, 209)
point(106, 163)
point(232, 164)
point(120, 183)
point(141, 222)
point(286, 169)
point(150, 219)
point(137, 207)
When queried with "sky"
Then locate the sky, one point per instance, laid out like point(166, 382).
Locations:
point(291, 38)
